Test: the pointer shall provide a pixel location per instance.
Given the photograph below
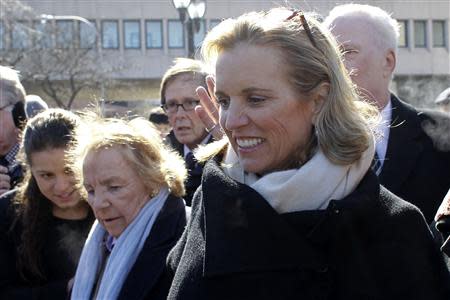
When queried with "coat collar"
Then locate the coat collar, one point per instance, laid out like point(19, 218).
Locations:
point(150, 263)
point(404, 145)
point(241, 224)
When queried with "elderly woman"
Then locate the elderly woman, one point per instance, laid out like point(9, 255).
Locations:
point(133, 185)
point(289, 207)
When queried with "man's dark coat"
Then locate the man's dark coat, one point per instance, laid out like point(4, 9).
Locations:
point(194, 174)
point(369, 245)
point(417, 163)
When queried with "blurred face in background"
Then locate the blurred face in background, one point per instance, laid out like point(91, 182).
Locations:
point(9, 134)
point(267, 122)
point(116, 192)
point(187, 126)
point(364, 58)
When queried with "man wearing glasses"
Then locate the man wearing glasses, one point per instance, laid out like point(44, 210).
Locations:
point(178, 99)
point(12, 118)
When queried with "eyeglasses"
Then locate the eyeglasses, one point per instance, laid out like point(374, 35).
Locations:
point(172, 107)
point(305, 25)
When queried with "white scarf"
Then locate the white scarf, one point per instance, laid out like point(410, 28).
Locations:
point(310, 187)
point(122, 258)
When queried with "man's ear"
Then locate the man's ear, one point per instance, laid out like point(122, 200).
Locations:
point(321, 95)
point(389, 62)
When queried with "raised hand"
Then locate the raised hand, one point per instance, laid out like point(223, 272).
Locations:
point(208, 111)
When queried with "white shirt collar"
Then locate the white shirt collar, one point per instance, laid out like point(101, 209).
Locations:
point(186, 149)
point(383, 129)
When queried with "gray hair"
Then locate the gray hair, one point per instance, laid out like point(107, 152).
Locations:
point(385, 28)
point(12, 90)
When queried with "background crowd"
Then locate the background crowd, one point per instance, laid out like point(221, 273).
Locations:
point(280, 166)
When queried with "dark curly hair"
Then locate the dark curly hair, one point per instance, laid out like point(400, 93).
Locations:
point(51, 129)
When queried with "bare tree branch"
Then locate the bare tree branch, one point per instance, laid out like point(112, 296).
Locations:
point(62, 70)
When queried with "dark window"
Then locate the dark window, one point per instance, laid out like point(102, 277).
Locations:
point(153, 30)
point(2, 35)
point(403, 37)
point(20, 38)
point(43, 35)
point(439, 34)
point(110, 35)
point(65, 33)
point(420, 34)
point(87, 34)
point(132, 34)
point(213, 23)
point(176, 34)
point(200, 34)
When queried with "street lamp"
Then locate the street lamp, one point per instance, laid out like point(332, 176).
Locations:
point(191, 12)
point(97, 42)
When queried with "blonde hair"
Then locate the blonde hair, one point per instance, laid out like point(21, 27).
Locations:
point(141, 146)
point(184, 66)
point(12, 90)
point(343, 125)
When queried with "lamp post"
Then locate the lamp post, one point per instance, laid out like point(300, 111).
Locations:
point(97, 43)
point(191, 13)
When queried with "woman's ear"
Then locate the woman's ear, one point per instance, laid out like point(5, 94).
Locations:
point(319, 99)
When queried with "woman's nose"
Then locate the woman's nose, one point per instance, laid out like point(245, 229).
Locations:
point(63, 184)
point(98, 201)
point(235, 116)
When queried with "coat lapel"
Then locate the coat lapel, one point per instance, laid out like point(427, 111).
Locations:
point(244, 234)
point(150, 263)
point(404, 145)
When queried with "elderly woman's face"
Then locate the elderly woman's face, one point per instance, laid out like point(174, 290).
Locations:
point(115, 191)
point(267, 122)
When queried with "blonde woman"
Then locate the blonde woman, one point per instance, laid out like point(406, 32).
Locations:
point(288, 207)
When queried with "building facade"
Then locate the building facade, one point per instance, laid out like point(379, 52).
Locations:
point(146, 36)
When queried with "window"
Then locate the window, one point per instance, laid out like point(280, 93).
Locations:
point(403, 38)
point(19, 36)
point(43, 34)
point(2, 35)
point(200, 35)
point(439, 34)
point(153, 31)
point(176, 34)
point(420, 34)
point(132, 34)
point(213, 23)
point(87, 34)
point(64, 33)
point(110, 35)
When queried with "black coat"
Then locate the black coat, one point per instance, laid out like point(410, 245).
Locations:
point(194, 174)
point(369, 245)
point(148, 278)
point(417, 164)
point(63, 241)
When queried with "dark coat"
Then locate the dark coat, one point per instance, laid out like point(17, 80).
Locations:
point(148, 278)
point(63, 241)
point(417, 165)
point(194, 174)
point(369, 245)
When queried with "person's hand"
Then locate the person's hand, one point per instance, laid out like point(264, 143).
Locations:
point(5, 180)
point(208, 111)
point(444, 208)
point(70, 284)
